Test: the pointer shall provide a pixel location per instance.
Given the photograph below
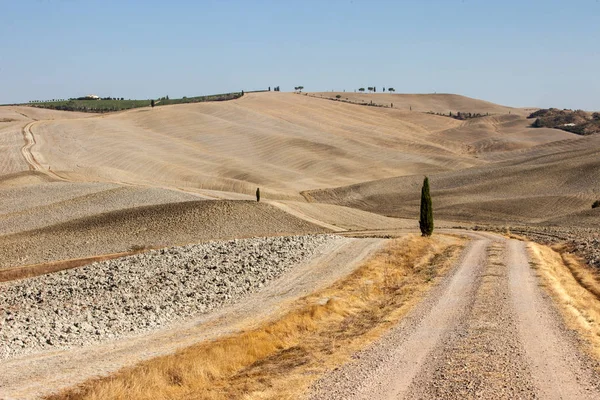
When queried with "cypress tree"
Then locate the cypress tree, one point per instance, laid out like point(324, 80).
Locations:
point(426, 218)
point(257, 194)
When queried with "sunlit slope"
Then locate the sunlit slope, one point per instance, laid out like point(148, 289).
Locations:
point(282, 142)
point(12, 121)
point(552, 187)
point(433, 102)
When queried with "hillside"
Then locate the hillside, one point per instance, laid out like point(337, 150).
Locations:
point(282, 142)
point(443, 103)
point(578, 121)
point(536, 186)
point(83, 171)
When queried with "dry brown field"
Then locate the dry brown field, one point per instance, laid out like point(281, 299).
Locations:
point(77, 187)
point(309, 155)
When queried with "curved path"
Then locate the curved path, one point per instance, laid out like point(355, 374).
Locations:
point(26, 149)
point(487, 332)
point(40, 374)
point(34, 165)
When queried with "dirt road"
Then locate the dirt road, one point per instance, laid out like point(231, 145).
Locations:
point(40, 374)
point(487, 332)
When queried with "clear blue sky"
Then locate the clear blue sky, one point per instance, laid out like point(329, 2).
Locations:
point(519, 53)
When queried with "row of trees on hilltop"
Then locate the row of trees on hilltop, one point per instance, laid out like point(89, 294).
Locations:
point(374, 89)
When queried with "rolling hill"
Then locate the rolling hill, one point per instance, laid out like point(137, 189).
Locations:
point(334, 164)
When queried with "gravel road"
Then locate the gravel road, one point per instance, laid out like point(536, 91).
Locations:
point(487, 331)
point(142, 292)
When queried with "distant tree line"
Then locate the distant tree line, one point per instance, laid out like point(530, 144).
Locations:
point(110, 104)
point(374, 89)
point(460, 115)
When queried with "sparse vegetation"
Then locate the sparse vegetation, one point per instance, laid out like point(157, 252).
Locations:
point(596, 204)
point(338, 96)
point(461, 116)
point(426, 217)
point(578, 121)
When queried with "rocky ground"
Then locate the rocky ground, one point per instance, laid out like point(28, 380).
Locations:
point(142, 292)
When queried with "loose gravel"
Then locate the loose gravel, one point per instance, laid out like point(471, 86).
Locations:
point(142, 292)
point(486, 332)
point(482, 357)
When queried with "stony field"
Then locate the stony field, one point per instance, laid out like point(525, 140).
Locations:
point(142, 292)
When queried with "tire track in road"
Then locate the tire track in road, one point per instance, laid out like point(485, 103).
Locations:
point(387, 369)
point(557, 366)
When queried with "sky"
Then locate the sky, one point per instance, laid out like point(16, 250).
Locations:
point(518, 53)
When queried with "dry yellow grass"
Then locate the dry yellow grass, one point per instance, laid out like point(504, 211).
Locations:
point(279, 359)
point(575, 287)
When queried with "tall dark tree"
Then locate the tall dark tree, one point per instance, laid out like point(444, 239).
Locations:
point(426, 218)
point(257, 194)
point(152, 102)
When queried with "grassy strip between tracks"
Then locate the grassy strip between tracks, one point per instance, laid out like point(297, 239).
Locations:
point(575, 287)
point(281, 358)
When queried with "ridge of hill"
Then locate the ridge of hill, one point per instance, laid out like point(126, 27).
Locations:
point(443, 103)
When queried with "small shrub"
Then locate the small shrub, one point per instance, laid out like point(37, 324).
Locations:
point(140, 247)
point(596, 204)
point(338, 96)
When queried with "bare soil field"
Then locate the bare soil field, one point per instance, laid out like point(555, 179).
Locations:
point(284, 143)
point(75, 188)
point(433, 102)
point(556, 184)
point(153, 226)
